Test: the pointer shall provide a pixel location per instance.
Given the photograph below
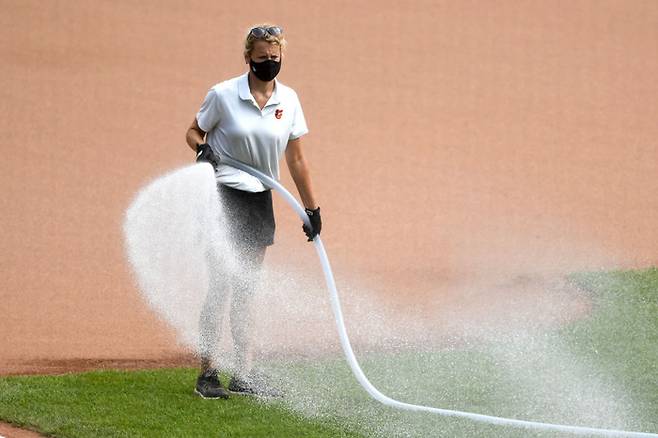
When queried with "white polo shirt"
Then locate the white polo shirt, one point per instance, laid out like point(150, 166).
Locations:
point(239, 129)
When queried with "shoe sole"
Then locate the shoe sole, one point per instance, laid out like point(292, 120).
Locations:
point(254, 394)
point(224, 397)
point(232, 392)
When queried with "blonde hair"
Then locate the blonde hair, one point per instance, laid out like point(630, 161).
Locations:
point(250, 40)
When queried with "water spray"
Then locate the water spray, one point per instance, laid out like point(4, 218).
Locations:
point(354, 364)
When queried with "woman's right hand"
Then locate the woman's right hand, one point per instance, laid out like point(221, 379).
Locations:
point(204, 153)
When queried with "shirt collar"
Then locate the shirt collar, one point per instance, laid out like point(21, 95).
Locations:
point(245, 92)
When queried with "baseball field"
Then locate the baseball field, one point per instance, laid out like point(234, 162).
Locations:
point(599, 371)
point(488, 182)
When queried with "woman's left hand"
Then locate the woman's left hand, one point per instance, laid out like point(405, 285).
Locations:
point(316, 224)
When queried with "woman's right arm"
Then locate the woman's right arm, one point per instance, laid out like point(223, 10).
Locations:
point(194, 135)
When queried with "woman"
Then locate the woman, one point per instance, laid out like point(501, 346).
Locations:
point(255, 119)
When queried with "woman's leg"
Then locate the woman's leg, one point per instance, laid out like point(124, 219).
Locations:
point(210, 321)
point(212, 313)
point(241, 301)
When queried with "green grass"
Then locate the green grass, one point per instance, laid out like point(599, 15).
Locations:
point(599, 371)
point(143, 403)
point(621, 336)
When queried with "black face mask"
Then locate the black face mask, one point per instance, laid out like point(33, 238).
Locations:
point(265, 70)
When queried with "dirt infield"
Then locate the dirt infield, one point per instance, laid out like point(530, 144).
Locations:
point(450, 142)
point(9, 431)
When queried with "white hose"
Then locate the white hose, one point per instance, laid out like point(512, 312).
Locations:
point(354, 364)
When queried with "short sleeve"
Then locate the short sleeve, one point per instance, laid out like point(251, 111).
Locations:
point(209, 114)
point(299, 127)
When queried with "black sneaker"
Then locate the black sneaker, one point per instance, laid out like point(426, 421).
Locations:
point(209, 386)
point(253, 384)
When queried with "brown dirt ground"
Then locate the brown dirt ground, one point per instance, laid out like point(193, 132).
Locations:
point(449, 141)
point(9, 431)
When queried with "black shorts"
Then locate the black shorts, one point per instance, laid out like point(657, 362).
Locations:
point(250, 216)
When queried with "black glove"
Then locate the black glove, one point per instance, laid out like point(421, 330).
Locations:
point(316, 223)
point(205, 153)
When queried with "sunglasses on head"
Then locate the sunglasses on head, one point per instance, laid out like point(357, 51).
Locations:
point(261, 32)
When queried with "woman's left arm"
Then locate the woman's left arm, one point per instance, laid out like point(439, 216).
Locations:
point(300, 174)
